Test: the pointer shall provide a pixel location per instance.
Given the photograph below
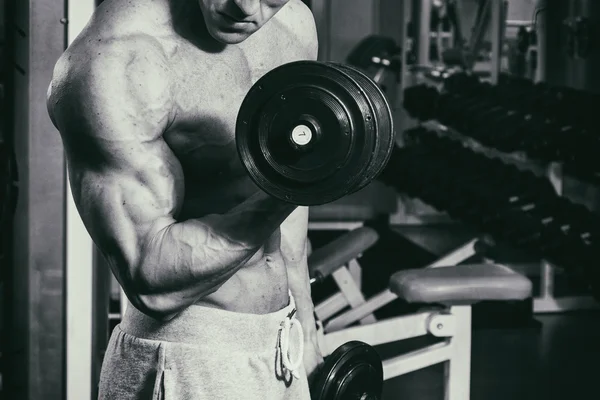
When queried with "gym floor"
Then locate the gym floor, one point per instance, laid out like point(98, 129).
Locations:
point(559, 361)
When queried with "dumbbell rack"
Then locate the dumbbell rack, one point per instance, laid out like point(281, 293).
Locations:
point(546, 302)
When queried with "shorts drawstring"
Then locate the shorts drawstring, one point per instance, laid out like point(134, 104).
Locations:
point(284, 344)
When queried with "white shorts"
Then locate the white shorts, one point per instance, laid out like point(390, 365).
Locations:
point(205, 353)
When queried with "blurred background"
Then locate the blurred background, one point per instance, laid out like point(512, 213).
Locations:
point(492, 101)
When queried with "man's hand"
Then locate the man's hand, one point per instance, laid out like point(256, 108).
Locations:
point(313, 359)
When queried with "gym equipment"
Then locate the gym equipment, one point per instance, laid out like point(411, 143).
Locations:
point(362, 54)
point(546, 123)
point(309, 133)
point(513, 206)
point(377, 56)
point(450, 291)
point(420, 100)
point(353, 371)
point(340, 251)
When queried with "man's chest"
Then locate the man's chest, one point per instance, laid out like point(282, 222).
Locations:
point(209, 90)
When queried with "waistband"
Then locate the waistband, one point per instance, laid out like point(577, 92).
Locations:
point(206, 326)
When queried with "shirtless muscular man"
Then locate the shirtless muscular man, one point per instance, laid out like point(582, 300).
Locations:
point(146, 100)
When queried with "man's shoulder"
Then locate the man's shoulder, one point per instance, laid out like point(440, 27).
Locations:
point(115, 37)
point(104, 60)
point(298, 19)
point(100, 71)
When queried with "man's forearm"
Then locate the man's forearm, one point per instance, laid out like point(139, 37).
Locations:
point(294, 248)
point(299, 284)
point(188, 260)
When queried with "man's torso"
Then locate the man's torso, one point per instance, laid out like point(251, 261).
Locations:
point(209, 87)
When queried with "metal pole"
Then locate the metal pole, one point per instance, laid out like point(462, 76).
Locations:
point(497, 22)
point(422, 21)
point(80, 263)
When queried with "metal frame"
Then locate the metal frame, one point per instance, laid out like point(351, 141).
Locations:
point(347, 279)
point(363, 310)
point(454, 324)
point(498, 21)
point(422, 21)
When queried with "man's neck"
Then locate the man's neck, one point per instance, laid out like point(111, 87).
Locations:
point(188, 22)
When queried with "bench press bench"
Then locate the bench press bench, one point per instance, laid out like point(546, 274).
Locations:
point(448, 290)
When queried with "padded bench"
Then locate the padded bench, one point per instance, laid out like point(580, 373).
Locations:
point(454, 287)
point(460, 284)
point(326, 259)
point(336, 259)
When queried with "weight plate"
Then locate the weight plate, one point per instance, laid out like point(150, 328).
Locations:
point(302, 134)
point(383, 121)
point(351, 371)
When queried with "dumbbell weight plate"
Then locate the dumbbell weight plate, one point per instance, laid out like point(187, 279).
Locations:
point(383, 122)
point(420, 101)
point(306, 133)
point(353, 370)
point(461, 83)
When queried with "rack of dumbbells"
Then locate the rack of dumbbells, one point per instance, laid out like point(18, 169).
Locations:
point(510, 203)
point(545, 123)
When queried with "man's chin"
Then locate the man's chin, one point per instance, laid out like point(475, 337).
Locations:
point(226, 37)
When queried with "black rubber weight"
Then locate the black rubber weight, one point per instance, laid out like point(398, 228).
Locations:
point(335, 166)
point(353, 370)
point(383, 120)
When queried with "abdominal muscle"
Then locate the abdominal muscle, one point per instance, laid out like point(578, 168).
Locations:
point(261, 285)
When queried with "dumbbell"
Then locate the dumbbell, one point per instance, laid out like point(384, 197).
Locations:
point(309, 132)
point(408, 174)
point(420, 100)
point(437, 180)
point(558, 238)
point(527, 214)
point(378, 56)
point(540, 139)
point(447, 109)
point(461, 82)
point(520, 196)
point(582, 221)
point(584, 150)
point(489, 207)
point(567, 251)
point(354, 371)
point(510, 134)
point(483, 125)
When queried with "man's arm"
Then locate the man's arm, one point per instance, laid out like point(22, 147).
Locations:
point(294, 248)
point(128, 186)
point(295, 228)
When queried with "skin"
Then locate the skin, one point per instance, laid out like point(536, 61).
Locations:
point(145, 100)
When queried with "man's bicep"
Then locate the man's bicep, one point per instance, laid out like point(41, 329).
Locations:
point(123, 176)
point(120, 211)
